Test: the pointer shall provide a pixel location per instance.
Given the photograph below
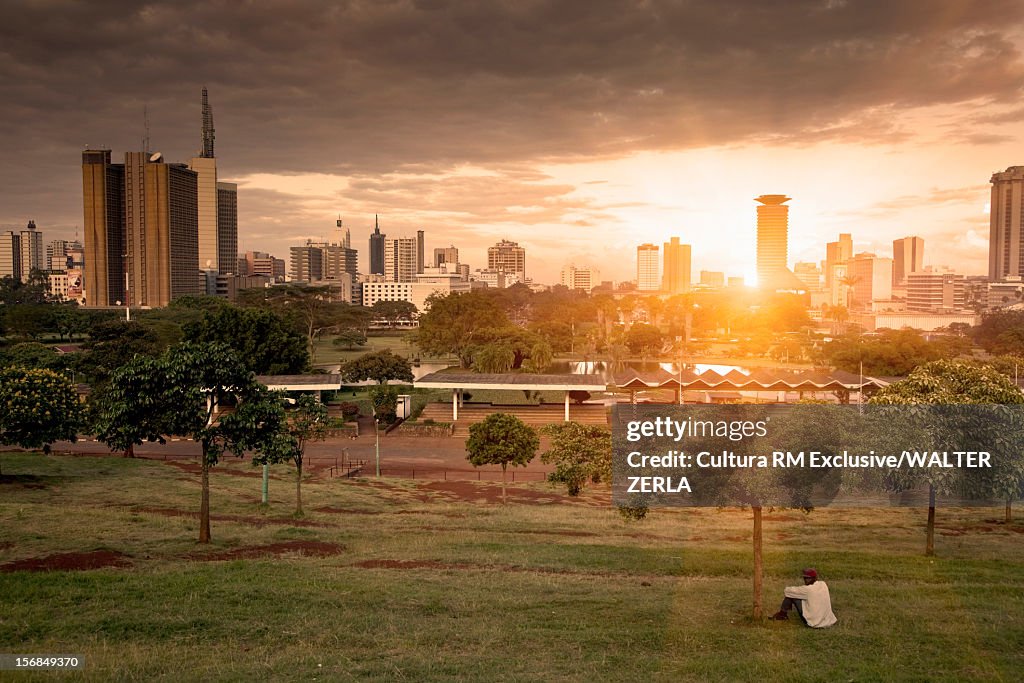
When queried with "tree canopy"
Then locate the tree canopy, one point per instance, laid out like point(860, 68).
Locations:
point(39, 407)
point(380, 366)
point(501, 439)
point(458, 323)
point(260, 337)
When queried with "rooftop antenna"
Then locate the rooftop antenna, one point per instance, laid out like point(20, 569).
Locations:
point(145, 127)
point(208, 135)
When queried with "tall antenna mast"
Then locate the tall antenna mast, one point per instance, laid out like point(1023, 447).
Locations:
point(145, 127)
point(208, 135)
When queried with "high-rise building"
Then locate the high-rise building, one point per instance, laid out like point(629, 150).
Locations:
point(103, 202)
point(647, 268)
point(57, 255)
point(712, 278)
point(307, 262)
point(935, 291)
point(205, 167)
point(585, 277)
point(227, 227)
point(837, 254)
point(161, 230)
point(1006, 225)
point(907, 258)
point(31, 250)
point(772, 240)
point(676, 276)
point(377, 239)
point(401, 259)
point(10, 255)
point(509, 258)
point(420, 251)
point(258, 263)
point(870, 278)
point(809, 274)
point(444, 255)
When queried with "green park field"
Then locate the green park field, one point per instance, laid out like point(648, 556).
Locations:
point(412, 580)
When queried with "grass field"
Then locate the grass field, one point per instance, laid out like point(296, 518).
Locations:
point(327, 352)
point(425, 583)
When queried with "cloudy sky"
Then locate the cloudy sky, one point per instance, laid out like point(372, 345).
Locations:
point(578, 128)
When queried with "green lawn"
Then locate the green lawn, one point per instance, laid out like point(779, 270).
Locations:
point(431, 587)
point(326, 352)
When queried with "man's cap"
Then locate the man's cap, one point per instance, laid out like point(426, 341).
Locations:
point(810, 573)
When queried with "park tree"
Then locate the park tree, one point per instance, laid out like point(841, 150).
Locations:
point(349, 339)
point(385, 404)
point(192, 382)
point(493, 357)
point(40, 406)
point(541, 356)
point(949, 384)
point(642, 336)
point(313, 310)
point(32, 355)
point(113, 343)
point(133, 407)
point(1001, 332)
point(580, 454)
point(306, 422)
point(393, 312)
point(379, 366)
point(267, 344)
point(458, 323)
point(501, 439)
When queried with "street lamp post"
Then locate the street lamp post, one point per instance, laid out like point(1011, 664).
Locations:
point(127, 290)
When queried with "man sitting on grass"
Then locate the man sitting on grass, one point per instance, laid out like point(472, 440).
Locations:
point(811, 600)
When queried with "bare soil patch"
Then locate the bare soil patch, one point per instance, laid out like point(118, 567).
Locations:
point(243, 519)
point(62, 562)
point(304, 548)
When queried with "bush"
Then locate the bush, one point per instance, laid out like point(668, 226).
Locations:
point(633, 514)
point(349, 411)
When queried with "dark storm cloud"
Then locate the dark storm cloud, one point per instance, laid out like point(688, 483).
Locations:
point(370, 87)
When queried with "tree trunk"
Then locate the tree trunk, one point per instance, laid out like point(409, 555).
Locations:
point(758, 563)
point(929, 545)
point(298, 487)
point(1009, 510)
point(204, 507)
point(130, 451)
point(503, 499)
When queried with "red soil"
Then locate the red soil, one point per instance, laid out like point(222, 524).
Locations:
point(95, 559)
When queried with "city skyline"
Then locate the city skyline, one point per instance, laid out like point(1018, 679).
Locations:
point(602, 136)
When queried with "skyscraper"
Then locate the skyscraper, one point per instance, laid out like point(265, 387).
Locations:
point(161, 230)
point(31, 251)
point(509, 258)
point(401, 256)
point(307, 262)
point(583, 277)
point(445, 255)
point(676, 275)
point(227, 227)
point(772, 239)
point(103, 203)
point(205, 166)
point(871, 279)
point(10, 255)
point(377, 239)
point(420, 251)
point(1006, 224)
point(647, 268)
point(907, 258)
point(837, 254)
